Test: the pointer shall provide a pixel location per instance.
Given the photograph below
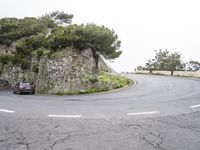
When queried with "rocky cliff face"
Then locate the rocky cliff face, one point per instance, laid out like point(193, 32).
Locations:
point(4, 49)
point(4, 85)
point(66, 70)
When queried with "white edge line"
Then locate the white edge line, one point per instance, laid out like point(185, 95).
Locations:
point(135, 82)
point(143, 113)
point(65, 116)
point(194, 106)
point(7, 111)
point(171, 86)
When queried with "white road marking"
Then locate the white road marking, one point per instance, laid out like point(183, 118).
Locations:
point(194, 106)
point(7, 111)
point(135, 82)
point(143, 113)
point(171, 86)
point(65, 116)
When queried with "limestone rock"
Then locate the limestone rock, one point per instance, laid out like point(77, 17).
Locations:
point(66, 70)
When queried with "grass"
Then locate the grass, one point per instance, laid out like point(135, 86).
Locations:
point(111, 82)
point(116, 80)
point(89, 91)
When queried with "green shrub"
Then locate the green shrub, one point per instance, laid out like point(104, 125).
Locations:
point(60, 93)
point(25, 63)
point(93, 78)
point(5, 59)
point(89, 91)
point(41, 52)
point(13, 29)
point(35, 68)
point(116, 80)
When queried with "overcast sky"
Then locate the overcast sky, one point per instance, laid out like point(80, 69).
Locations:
point(142, 25)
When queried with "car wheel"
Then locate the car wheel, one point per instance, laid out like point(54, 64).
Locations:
point(18, 92)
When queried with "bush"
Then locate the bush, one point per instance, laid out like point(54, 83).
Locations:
point(116, 80)
point(25, 63)
point(93, 78)
point(89, 91)
point(35, 68)
point(5, 59)
point(41, 52)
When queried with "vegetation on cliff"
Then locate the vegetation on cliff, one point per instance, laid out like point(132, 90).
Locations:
point(60, 57)
point(105, 80)
point(53, 32)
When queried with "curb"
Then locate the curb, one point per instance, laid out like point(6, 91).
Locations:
point(131, 84)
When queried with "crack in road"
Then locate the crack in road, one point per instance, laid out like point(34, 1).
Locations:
point(156, 145)
point(60, 141)
point(178, 124)
point(151, 133)
point(33, 130)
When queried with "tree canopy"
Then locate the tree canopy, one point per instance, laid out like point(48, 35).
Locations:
point(12, 29)
point(100, 39)
point(193, 65)
point(164, 60)
point(59, 17)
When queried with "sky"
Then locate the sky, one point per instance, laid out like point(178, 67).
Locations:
point(142, 25)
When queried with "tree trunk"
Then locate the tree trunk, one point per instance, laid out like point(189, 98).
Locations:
point(96, 58)
point(172, 72)
point(150, 71)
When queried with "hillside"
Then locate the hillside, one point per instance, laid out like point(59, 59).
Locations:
point(56, 55)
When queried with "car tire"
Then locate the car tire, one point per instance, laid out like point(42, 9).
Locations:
point(18, 92)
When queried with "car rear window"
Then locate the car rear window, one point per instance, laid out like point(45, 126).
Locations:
point(25, 84)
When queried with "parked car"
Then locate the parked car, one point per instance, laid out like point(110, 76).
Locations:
point(24, 87)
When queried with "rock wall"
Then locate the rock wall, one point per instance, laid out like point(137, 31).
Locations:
point(66, 70)
point(4, 49)
point(103, 66)
point(4, 85)
point(14, 74)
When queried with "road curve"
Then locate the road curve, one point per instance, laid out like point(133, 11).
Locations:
point(159, 113)
point(167, 95)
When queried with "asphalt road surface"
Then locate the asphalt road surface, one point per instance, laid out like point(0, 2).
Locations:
point(158, 113)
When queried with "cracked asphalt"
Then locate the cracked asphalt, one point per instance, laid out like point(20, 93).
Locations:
point(104, 124)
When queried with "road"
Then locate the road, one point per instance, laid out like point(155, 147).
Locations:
point(158, 113)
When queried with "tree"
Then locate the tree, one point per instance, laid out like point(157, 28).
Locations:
point(31, 36)
point(174, 62)
point(139, 68)
point(150, 65)
point(193, 66)
point(164, 60)
point(101, 40)
point(59, 17)
point(13, 29)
